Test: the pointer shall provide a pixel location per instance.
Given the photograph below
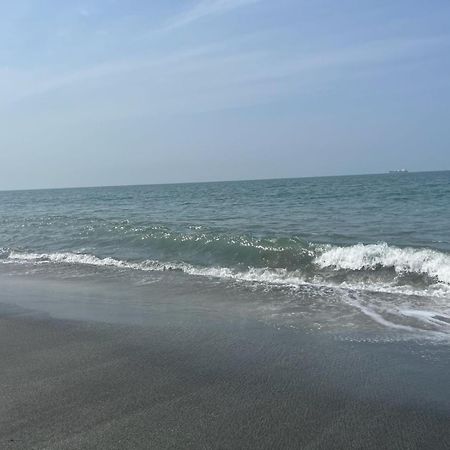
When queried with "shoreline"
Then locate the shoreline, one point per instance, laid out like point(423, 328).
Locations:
point(203, 380)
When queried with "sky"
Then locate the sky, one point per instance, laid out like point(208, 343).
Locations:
point(111, 92)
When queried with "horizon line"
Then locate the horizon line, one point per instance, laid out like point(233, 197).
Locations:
point(219, 181)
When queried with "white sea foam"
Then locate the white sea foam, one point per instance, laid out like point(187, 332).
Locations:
point(432, 317)
point(282, 277)
point(388, 313)
point(69, 258)
point(428, 262)
point(276, 276)
point(376, 316)
point(413, 319)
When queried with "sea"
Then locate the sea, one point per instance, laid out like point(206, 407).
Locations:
point(360, 257)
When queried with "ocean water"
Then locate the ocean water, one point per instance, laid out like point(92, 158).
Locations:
point(348, 255)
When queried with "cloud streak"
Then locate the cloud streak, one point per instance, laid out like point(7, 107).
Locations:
point(222, 67)
point(203, 9)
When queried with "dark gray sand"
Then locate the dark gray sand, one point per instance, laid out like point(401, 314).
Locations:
point(225, 383)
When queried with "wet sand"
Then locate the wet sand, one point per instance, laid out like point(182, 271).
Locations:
point(209, 382)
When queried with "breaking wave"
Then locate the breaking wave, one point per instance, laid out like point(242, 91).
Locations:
point(376, 267)
point(415, 283)
point(433, 264)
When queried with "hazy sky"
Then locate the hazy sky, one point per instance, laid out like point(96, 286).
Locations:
point(130, 92)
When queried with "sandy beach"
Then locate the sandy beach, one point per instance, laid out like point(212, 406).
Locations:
point(208, 382)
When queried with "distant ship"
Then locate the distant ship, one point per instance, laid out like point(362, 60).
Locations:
point(398, 171)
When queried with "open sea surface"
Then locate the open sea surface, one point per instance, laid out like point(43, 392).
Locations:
point(357, 256)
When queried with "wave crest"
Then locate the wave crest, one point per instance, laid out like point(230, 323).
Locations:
point(431, 263)
point(346, 264)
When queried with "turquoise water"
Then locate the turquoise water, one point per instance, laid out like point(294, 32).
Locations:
point(381, 238)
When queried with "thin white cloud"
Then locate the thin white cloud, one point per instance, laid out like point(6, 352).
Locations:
point(205, 8)
point(22, 85)
point(213, 75)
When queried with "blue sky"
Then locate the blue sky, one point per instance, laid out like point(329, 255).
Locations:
point(113, 92)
